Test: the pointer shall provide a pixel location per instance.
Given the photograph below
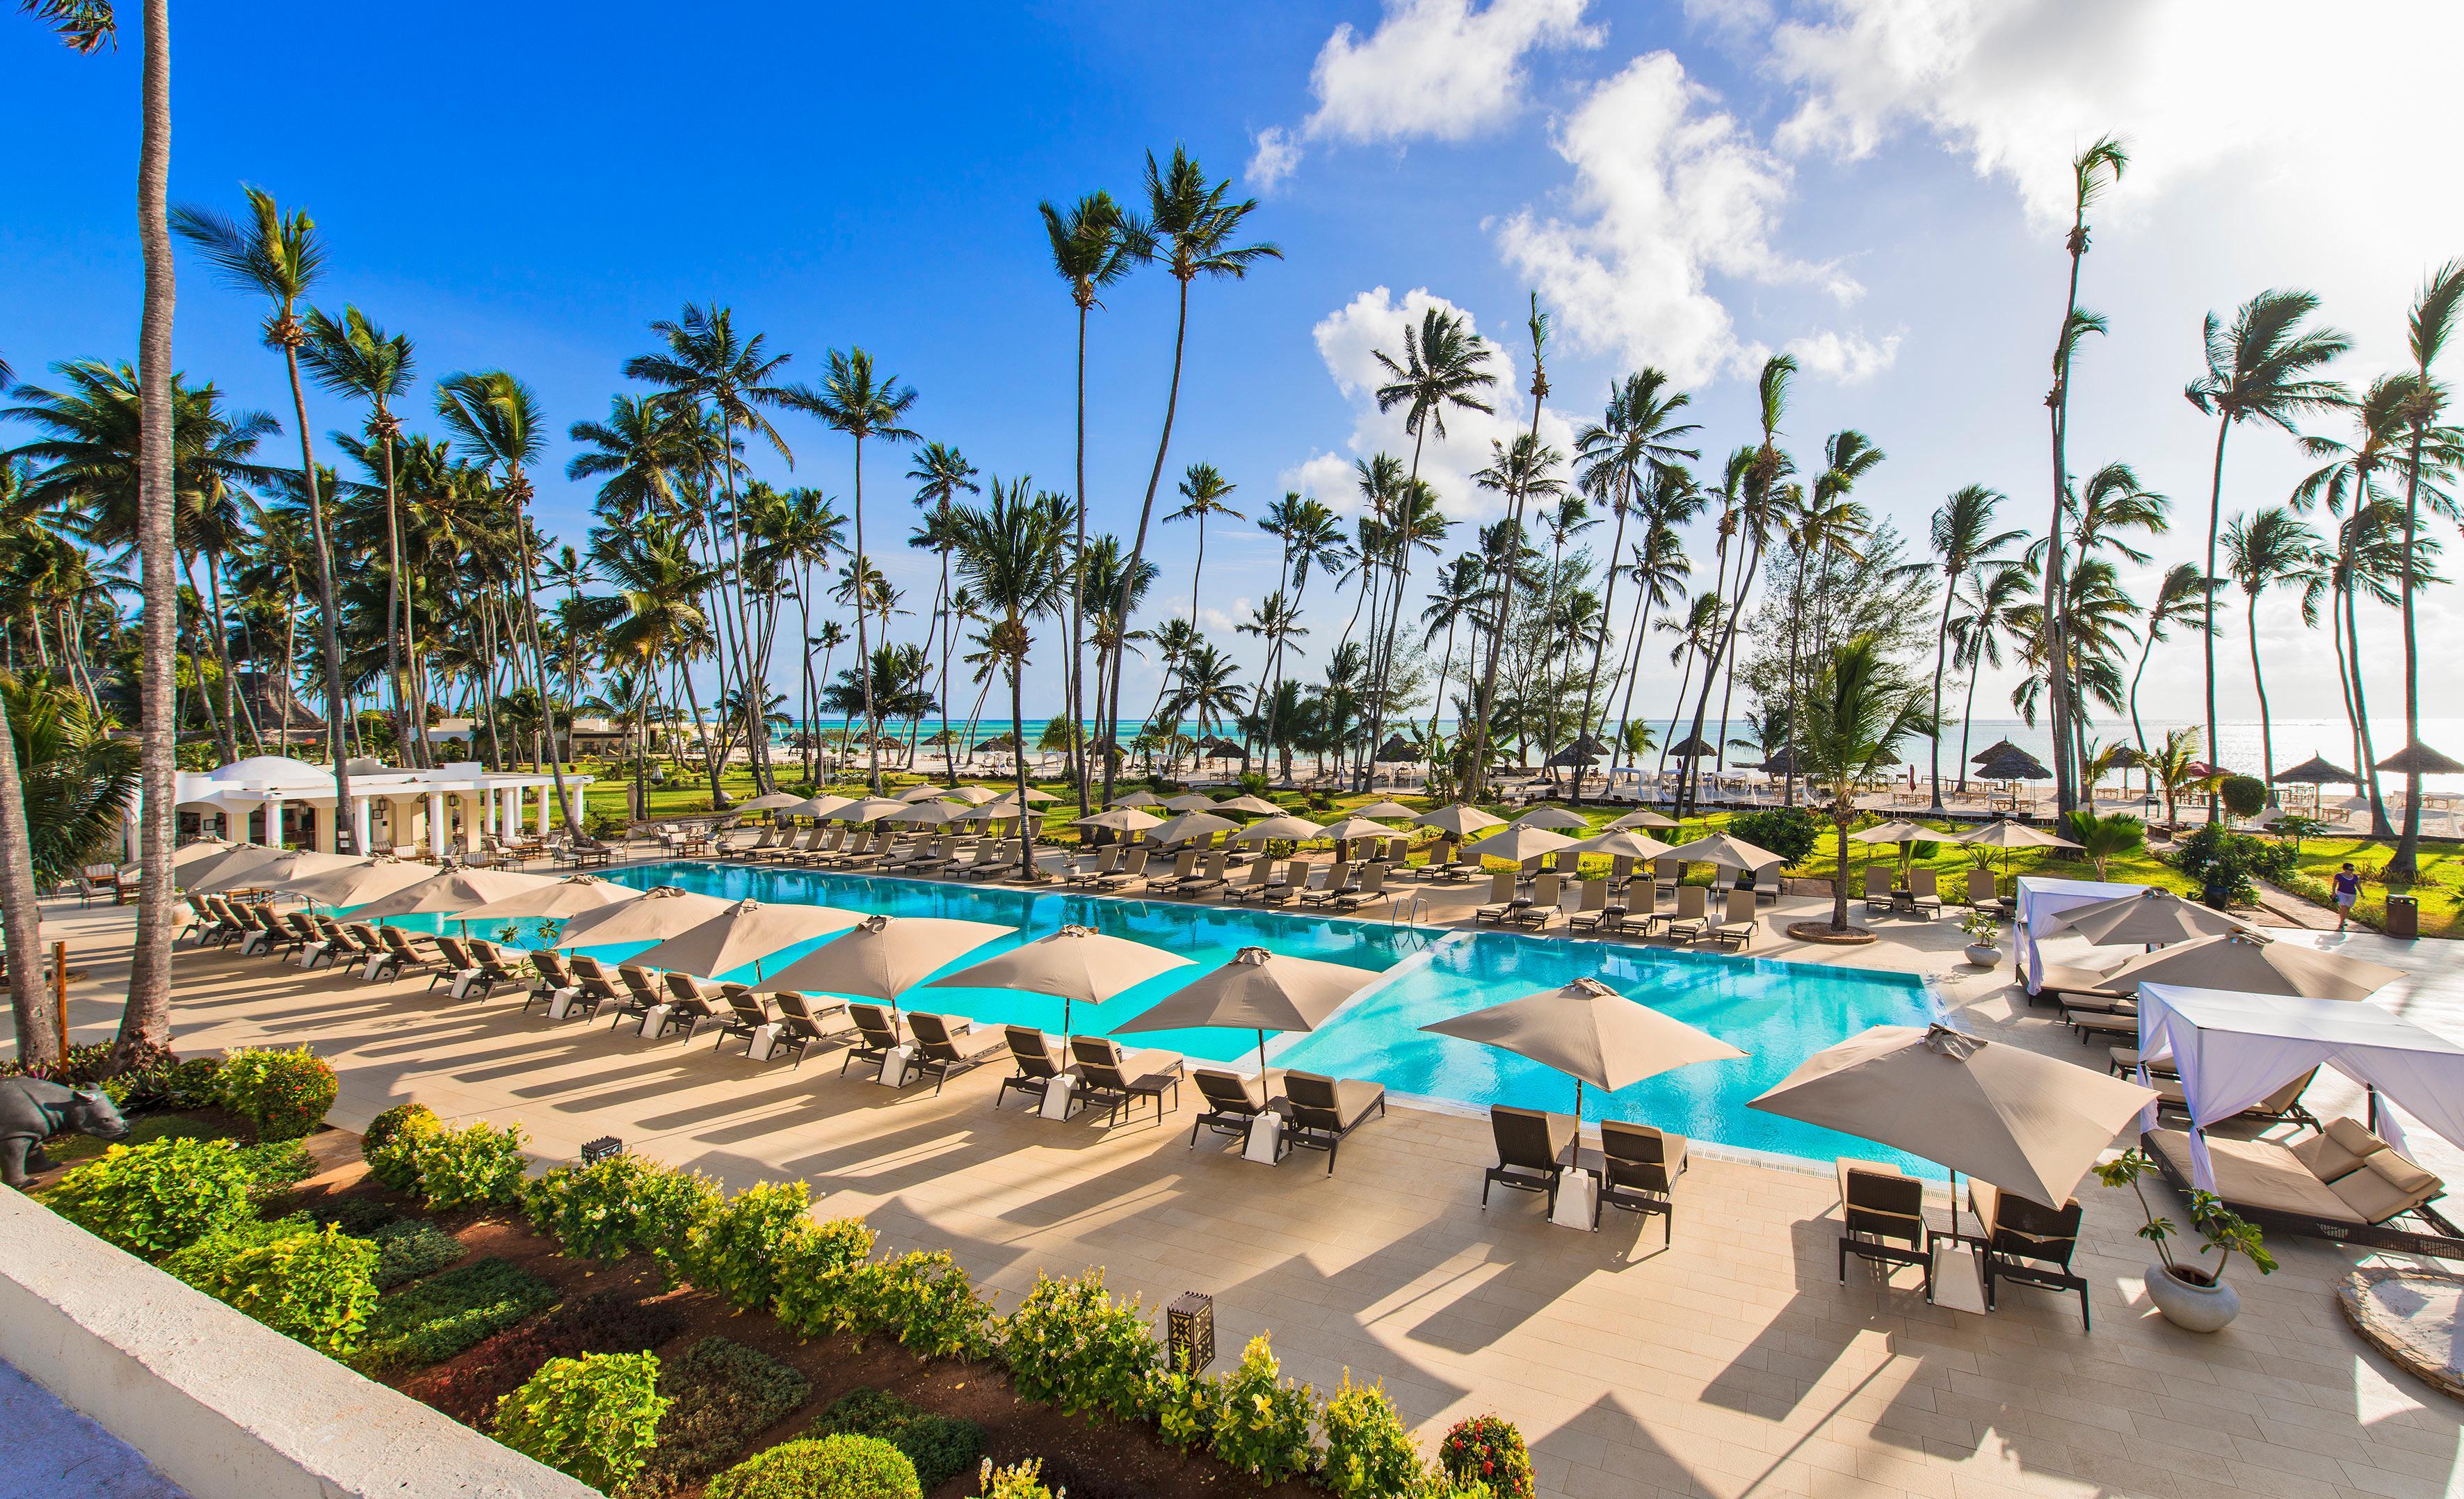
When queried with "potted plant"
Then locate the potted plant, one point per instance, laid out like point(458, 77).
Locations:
point(2191, 1296)
point(1984, 931)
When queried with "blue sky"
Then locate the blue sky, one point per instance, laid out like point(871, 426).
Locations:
point(1876, 186)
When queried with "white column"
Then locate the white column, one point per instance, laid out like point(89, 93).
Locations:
point(436, 823)
point(513, 813)
point(274, 822)
point(361, 826)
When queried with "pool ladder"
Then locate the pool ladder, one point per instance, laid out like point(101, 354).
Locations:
point(1398, 913)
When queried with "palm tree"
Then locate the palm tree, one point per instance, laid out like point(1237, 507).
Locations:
point(497, 417)
point(1757, 483)
point(1203, 492)
point(941, 474)
point(353, 357)
point(2427, 329)
point(1094, 244)
point(1442, 366)
point(1011, 551)
point(1461, 593)
point(2092, 171)
point(2174, 767)
point(2181, 599)
point(711, 369)
point(1961, 545)
point(1861, 706)
point(855, 401)
point(2258, 369)
point(1190, 231)
point(1622, 456)
point(279, 258)
point(2260, 553)
point(1992, 595)
point(1659, 568)
point(1474, 756)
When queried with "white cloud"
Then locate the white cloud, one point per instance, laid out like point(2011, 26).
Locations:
point(1433, 70)
point(1845, 359)
point(1668, 190)
point(2019, 86)
point(1348, 340)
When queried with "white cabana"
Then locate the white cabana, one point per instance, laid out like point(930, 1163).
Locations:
point(2040, 900)
point(2234, 1049)
point(416, 806)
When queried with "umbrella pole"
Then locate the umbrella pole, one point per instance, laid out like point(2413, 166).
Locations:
point(1261, 1064)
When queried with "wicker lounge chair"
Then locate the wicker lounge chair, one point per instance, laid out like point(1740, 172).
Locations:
point(1534, 1150)
point(1322, 1110)
point(1639, 1171)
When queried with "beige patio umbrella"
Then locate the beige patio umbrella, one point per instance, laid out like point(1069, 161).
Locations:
point(869, 809)
point(972, 795)
point(1075, 964)
point(1460, 819)
point(1623, 844)
point(924, 793)
point(1260, 991)
point(2024, 1122)
point(662, 912)
point(1283, 825)
point(1036, 798)
point(2006, 835)
point(815, 806)
point(1899, 829)
point(1589, 1032)
point(927, 814)
point(746, 931)
point(1385, 811)
point(2148, 917)
point(568, 897)
point(2249, 963)
point(1190, 802)
point(1642, 817)
point(1556, 818)
point(1518, 844)
point(1247, 803)
point(251, 867)
point(358, 882)
point(454, 891)
point(1356, 826)
point(1729, 853)
point(1190, 825)
point(880, 957)
point(768, 802)
point(1119, 820)
point(197, 856)
point(1139, 799)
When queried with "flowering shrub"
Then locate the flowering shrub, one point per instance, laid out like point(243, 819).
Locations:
point(1070, 1344)
point(163, 1195)
point(388, 1144)
point(311, 1284)
point(477, 1166)
point(812, 1263)
point(922, 1299)
point(285, 1093)
point(618, 1205)
point(829, 1467)
point(1265, 1427)
point(595, 1417)
point(733, 1249)
point(1369, 1451)
point(1487, 1449)
point(1020, 1480)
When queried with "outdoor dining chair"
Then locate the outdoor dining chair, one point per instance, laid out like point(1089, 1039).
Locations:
point(1534, 1150)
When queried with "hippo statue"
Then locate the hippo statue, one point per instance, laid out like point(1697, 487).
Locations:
point(33, 1110)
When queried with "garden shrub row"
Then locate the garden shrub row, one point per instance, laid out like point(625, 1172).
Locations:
point(430, 1321)
point(600, 1323)
point(720, 1395)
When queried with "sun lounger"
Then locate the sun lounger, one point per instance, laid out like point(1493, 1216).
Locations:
point(1119, 1081)
point(2344, 1183)
point(1037, 1060)
point(1882, 1218)
point(876, 1032)
point(1369, 890)
point(1534, 1150)
point(1591, 899)
point(1107, 863)
point(1541, 908)
point(1982, 894)
point(2029, 1243)
point(1692, 917)
point(1002, 860)
point(1322, 1110)
point(1666, 872)
point(1184, 864)
point(1741, 923)
point(553, 977)
point(1338, 879)
point(1879, 895)
point(2280, 1107)
point(598, 990)
point(1924, 897)
point(642, 994)
point(403, 953)
point(1638, 1170)
point(1233, 1101)
point(936, 1047)
point(1277, 888)
point(492, 970)
point(1502, 900)
point(1134, 868)
point(1209, 880)
point(799, 1021)
point(456, 963)
point(2060, 978)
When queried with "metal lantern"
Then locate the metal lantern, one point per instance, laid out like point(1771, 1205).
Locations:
point(593, 1152)
point(1189, 1331)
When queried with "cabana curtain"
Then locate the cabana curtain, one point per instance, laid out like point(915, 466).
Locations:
point(2041, 901)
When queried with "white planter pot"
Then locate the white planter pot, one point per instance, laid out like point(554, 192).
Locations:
point(1984, 957)
point(2193, 1308)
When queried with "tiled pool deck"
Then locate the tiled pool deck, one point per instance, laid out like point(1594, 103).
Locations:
point(1732, 1363)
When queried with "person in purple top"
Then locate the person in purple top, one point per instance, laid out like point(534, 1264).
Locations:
point(2348, 888)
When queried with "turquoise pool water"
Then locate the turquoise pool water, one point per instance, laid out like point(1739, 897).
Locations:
point(1778, 1013)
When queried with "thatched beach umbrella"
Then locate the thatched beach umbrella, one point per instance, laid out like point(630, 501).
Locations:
point(2417, 759)
point(1398, 748)
point(2014, 763)
point(2317, 771)
point(1996, 748)
point(1692, 747)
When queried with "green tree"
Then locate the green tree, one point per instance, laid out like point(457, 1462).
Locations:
point(1011, 552)
point(1203, 492)
point(941, 474)
point(1621, 459)
point(1861, 707)
point(2180, 599)
point(1191, 227)
point(351, 356)
point(2262, 552)
point(2432, 322)
point(1964, 539)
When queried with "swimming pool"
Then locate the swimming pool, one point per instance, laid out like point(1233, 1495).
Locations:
point(1779, 1013)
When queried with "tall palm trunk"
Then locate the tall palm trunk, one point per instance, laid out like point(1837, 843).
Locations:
point(2208, 603)
point(329, 640)
point(218, 718)
point(145, 1022)
point(1639, 630)
point(539, 661)
point(1747, 566)
point(2368, 768)
point(2266, 723)
point(1966, 716)
point(1138, 545)
point(21, 915)
point(1941, 652)
point(395, 594)
point(2404, 862)
point(1078, 737)
point(1599, 644)
point(863, 649)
